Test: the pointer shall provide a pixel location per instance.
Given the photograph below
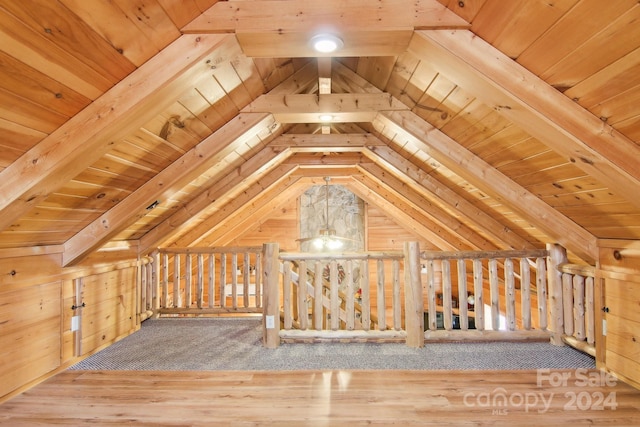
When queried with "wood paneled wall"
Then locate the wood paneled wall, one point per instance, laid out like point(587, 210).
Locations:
point(620, 271)
point(36, 299)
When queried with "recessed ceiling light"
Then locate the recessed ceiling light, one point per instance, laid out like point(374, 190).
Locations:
point(325, 117)
point(326, 43)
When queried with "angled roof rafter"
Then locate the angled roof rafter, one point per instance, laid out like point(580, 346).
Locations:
point(528, 101)
point(437, 214)
point(392, 161)
point(94, 131)
point(232, 182)
point(191, 164)
point(488, 179)
point(463, 162)
point(275, 182)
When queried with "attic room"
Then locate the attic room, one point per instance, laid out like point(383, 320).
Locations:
point(476, 159)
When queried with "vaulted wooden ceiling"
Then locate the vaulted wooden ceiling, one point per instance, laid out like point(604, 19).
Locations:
point(477, 124)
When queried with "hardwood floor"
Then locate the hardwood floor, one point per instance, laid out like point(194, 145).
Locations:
point(335, 398)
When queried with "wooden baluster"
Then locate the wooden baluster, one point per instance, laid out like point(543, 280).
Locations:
point(156, 280)
point(335, 307)
point(223, 280)
point(150, 287)
point(431, 295)
point(234, 280)
point(446, 295)
point(494, 288)
point(188, 284)
point(350, 303)
point(303, 307)
point(382, 323)
point(211, 280)
point(258, 279)
point(541, 290)
point(200, 280)
point(176, 280)
point(462, 295)
point(510, 294)
point(525, 293)
point(165, 281)
point(365, 315)
point(478, 292)
point(286, 295)
point(142, 307)
point(567, 302)
point(245, 281)
point(397, 306)
point(590, 310)
point(578, 307)
point(318, 318)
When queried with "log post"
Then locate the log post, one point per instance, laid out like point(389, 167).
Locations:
point(414, 307)
point(557, 256)
point(271, 312)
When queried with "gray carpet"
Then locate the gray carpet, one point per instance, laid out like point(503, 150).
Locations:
point(207, 344)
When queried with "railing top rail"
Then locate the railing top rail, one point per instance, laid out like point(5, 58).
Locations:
point(577, 269)
point(437, 255)
point(211, 250)
point(296, 256)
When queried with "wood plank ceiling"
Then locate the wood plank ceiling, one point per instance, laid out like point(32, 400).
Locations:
point(476, 124)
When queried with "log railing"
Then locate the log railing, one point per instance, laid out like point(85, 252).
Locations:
point(357, 292)
point(207, 280)
point(405, 296)
point(578, 296)
point(478, 293)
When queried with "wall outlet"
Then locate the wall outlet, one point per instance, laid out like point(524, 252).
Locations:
point(270, 322)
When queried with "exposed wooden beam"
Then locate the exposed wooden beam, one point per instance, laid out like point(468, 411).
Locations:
point(189, 166)
point(449, 199)
point(404, 215)
point(260, 209)
point(234, 182)
point(319, 143)
point(283, 29)
point(545, 113)
point(309, 108)
point(319, 160)
point(441, 217)
point(319, 173)
point(95, 130)
point(280, 178)
point(475, 170)
point(488, 179)
point(324, 75)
